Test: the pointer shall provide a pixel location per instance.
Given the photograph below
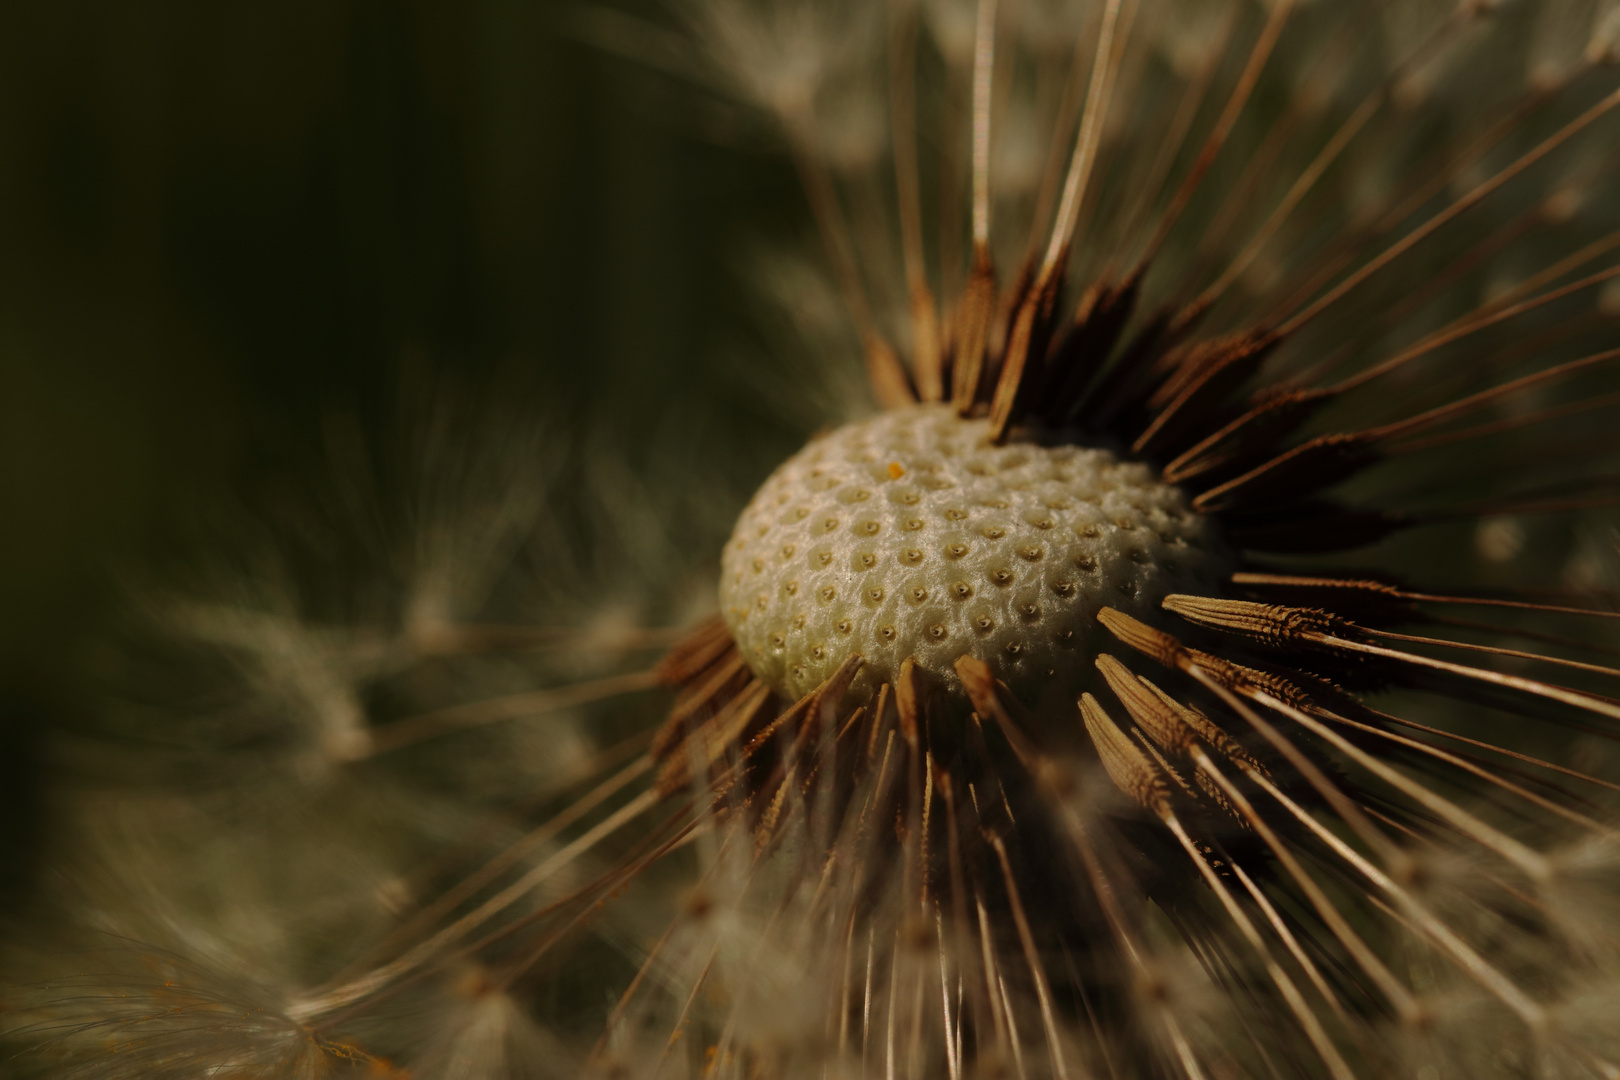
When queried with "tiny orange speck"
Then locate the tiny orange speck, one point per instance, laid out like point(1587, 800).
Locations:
point(895, 471)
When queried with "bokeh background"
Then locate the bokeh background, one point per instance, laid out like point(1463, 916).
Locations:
point(220, 223)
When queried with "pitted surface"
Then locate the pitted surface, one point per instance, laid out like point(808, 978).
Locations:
point(909, 534)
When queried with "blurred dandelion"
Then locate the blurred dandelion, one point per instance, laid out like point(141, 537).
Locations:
point(1201, 667)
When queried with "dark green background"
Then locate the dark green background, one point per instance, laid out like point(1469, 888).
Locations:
point(220, 221)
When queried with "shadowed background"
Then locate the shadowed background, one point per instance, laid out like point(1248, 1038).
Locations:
point(220, 222)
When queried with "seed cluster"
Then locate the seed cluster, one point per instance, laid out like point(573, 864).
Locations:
point(911, 535)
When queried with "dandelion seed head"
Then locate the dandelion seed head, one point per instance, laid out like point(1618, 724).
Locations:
point(1188, 32)
point(1498, 540)
point(1604, 45)
point(1583, 901)
point(912, 535)
point(479, 1032)
point(782, 56)
point(1565, 33)
point(1297, 247)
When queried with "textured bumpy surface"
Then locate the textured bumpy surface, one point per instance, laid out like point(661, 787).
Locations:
point(910, 535)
